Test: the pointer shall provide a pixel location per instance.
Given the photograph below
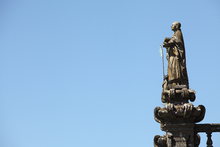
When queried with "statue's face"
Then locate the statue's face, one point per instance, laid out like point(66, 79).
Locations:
point(173, 27)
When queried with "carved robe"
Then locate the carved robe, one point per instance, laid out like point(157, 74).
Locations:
point(177, 73)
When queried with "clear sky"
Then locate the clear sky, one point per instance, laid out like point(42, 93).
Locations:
point(88, 73)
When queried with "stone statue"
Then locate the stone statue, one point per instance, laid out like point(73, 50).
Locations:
point(177, 73)
point(178, 117)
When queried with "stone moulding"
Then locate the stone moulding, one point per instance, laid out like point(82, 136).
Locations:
point(179, 113)
point(160, 141)
point(178, 95)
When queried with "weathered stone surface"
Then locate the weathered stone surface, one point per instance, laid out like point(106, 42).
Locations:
point(160, 141)
point(179, 113)
point(178, 95)
point(177, 73)
point(178, 116)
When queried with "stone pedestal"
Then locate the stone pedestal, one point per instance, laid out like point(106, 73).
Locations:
point(178, 119)
point(180, 135)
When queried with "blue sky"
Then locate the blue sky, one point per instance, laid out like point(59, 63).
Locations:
point(88, 73)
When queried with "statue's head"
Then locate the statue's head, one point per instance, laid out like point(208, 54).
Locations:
point(176, 26)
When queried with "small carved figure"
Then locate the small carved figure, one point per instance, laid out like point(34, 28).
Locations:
point(177, 73)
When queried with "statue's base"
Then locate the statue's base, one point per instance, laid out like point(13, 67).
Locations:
point(179, 113)
point(178, 117)
point(178, 135)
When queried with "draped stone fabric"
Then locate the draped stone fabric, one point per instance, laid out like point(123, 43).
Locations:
point(177, 73)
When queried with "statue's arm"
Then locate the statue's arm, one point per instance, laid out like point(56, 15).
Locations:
point(172, 41)
point(166, 42)
point(167, 39)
